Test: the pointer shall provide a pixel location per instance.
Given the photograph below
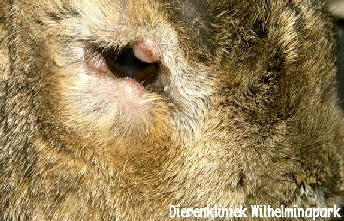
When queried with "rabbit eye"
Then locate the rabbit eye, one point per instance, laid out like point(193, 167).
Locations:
point(122, 64)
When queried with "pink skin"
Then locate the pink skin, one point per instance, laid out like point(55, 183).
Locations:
point(130, 93)
point(118, 94)
point(107, 93)
point(147, 50)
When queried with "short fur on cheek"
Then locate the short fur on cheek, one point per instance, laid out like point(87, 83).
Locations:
point(245, 112)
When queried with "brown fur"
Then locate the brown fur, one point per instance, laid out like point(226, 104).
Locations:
point(336, 7)
point(251, 116)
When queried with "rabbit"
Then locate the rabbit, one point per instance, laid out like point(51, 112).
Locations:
point(127, 110)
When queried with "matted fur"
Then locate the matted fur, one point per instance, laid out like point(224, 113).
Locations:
point(250, 116)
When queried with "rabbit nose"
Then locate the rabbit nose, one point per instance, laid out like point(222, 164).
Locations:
point(147, 50)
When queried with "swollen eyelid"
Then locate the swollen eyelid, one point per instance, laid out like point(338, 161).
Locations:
point(96, 62)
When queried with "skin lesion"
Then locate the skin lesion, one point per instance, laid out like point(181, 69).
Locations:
point(147, 50)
